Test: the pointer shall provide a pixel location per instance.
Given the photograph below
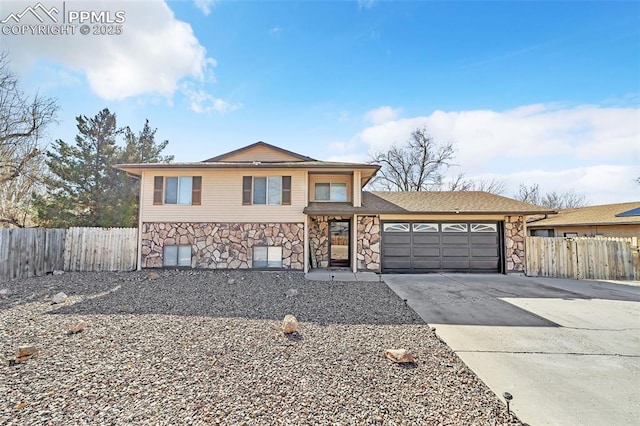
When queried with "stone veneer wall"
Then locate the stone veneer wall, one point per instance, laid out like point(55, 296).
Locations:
point(223, 245)
point(514, 236)
point(368, 243)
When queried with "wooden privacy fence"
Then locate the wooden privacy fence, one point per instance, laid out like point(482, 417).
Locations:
point(583, 258)
point(31, 252)
point(101, 249)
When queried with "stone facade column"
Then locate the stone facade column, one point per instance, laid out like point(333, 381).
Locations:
point(368, 243)
point(514, 236)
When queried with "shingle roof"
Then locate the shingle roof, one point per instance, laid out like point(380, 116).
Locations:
point(435, 202)
point(462, 201)
point(593, 215)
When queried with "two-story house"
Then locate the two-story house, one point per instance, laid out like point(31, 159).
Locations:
point(263, 207)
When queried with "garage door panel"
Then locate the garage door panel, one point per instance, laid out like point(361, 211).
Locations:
point(455, 239)
point(397, 251)
point(397, 263)
point(484, 251)
point(461, 264)
point(426, 239)
point(484, 239)
point(484, 265)
point(422, 251)
point(397, 238)
point(457, 250)
point(426, 264)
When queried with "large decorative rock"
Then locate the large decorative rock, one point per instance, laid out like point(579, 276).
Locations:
point(58, 298)
point(153, 275)
point(77, 327)
point(400, 356)
point(289, 324)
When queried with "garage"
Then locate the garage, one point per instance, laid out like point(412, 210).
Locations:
point(418, 247)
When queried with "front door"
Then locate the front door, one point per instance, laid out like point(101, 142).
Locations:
point(339, 242)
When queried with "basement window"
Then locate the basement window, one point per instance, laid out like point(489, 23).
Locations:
point(267, 257)
point(176, 256)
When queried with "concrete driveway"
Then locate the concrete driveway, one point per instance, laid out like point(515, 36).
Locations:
point(568, 351)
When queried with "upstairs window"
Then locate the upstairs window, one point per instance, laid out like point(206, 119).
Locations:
point(183, 190)
point(331, 192)
point(271, 190)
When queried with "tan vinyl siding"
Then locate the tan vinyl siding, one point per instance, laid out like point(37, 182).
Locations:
point(328, 178)
point(222, 198)
point(261, 153)
point(592, 231)
point(442, 217)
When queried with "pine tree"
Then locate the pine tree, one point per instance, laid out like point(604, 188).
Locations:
point(85, 189)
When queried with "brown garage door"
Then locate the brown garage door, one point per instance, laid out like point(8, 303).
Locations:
point(441, 247)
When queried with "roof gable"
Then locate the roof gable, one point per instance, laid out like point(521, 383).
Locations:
point(259, 152)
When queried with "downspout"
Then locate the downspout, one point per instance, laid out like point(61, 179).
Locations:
point(140, 210)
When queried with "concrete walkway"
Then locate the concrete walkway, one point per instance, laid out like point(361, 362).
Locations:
point(568, 351)
point(340, 275)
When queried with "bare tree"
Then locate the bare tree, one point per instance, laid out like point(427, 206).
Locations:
point(415, 166)
point(459, 183)
point(553, 200)
point(23, 121)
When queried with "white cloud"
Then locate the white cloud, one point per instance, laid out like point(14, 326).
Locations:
point(601, 184)
point(382, 115)
point(591, 149)
point(203, 102)
point(205, 6)
point(528, 132)
point(275, 31)
point(365, 4)
point(152, 55)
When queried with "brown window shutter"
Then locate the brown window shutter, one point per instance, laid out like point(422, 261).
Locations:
point(286, 190)
point(196, 191)
point(246, 190)
point(158, 182)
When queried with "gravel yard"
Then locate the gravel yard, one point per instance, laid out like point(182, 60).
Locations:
point(206, 347)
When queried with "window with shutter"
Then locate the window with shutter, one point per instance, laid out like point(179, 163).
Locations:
point(246, 190)
point(196, 191)
point(158, 182)
point(286, 190)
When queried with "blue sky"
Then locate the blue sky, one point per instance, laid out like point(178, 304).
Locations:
point(534, 92)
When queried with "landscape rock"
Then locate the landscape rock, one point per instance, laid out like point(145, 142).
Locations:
point(77, 327)
point(291, 292)
point(58, 272)
point(58, 298)
point(153, 275)
point(5, 293)
point(25, 352)
point(400, 356)
point(289, 324)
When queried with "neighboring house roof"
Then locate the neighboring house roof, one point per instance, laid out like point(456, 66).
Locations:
point(235, 153)
point(430, 202)
point(606, 214)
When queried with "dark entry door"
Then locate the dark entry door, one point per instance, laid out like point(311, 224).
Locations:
point(339, 242)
